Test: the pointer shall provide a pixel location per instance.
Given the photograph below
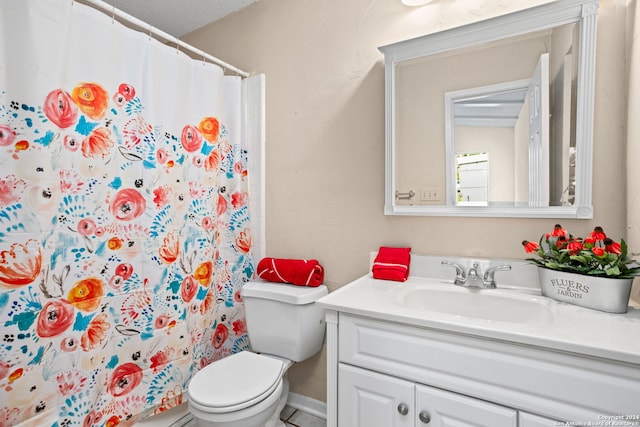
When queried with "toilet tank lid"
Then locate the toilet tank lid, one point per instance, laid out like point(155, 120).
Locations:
point(290, 294)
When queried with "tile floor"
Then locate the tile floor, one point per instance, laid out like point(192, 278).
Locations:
point(292, 417)
point(296, 418)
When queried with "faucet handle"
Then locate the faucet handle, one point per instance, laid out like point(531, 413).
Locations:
point(461, 276)
point(488, 279)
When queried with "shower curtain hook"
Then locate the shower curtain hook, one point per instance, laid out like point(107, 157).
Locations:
point(113, 15)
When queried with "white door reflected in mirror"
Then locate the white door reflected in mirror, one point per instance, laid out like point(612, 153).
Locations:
point(538, 96)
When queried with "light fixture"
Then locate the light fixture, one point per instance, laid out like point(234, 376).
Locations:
point(415, 2)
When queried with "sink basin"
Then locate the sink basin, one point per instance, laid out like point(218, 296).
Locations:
point(490, 305)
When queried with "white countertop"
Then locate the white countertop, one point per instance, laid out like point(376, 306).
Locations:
point(565, 327)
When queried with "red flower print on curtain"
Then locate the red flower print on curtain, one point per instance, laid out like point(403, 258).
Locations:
point(210, 128)
point(85, 294)
point(91, 99)
point(191, 138)
point(21, 264)
point(60, 108)
point(127, 204)
point(124, 379)
point(55, 318)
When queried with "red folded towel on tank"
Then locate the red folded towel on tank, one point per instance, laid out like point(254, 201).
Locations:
point(392, 264)
point(301, 272)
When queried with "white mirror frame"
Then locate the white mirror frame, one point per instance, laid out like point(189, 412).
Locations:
point(537, 18)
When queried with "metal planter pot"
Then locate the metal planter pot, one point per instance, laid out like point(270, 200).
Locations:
point(600, 293)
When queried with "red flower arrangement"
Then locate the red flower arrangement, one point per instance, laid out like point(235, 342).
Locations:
point(594, 255)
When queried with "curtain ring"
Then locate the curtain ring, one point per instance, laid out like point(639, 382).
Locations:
point(113, 15)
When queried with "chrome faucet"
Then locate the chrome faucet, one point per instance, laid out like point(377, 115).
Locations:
point(473, 278)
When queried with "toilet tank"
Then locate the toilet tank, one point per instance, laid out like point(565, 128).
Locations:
point(283, 320)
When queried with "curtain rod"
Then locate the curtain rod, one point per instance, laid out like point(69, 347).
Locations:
point(105, 7)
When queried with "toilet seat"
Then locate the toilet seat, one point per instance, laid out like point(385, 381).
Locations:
point(235, 382)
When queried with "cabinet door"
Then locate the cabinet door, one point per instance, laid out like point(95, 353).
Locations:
point(440, 408)
point(529, 420)
point(370, 399)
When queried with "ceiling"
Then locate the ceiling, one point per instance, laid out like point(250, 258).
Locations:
point(179, 17)
point(495, 109)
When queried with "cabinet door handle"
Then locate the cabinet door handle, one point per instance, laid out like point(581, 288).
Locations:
point(424, 417)
point(403, 409)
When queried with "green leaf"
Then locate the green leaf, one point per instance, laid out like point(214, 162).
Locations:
point(579, 258)
point(614, 271)
point(623, 249)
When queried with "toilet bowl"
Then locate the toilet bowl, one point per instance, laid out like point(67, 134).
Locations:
point(250, 388)
point(242, 390)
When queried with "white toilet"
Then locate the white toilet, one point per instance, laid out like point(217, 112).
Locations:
point(250, 389)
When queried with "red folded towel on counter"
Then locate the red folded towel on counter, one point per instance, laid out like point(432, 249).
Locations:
point(392, 264)
point(301, 272)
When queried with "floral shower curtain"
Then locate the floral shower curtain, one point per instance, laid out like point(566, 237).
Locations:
point(124, 227)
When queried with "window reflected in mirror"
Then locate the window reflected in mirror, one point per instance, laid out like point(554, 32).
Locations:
point(472, 179)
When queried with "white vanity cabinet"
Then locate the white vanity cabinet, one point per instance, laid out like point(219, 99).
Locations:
point(530, 420)
point(440, 408)
point(376, 400)
point(391, 373)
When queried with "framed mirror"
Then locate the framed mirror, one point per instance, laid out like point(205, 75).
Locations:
point(494, 118)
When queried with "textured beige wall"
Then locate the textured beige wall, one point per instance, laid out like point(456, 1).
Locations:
point(325, 134)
